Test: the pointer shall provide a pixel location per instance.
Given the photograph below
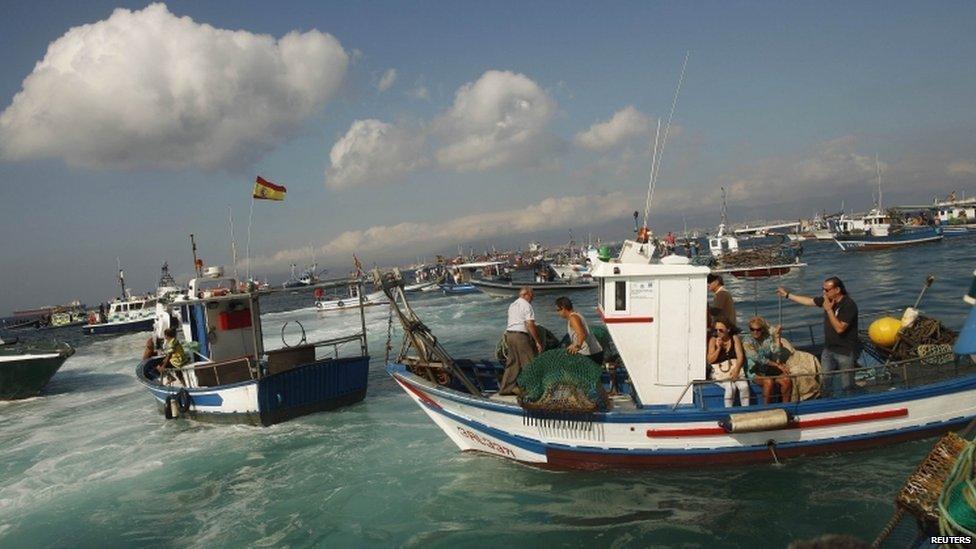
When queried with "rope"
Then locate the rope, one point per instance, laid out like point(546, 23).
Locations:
point(957, 503)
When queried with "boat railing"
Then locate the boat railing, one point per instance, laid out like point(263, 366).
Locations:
point(902, 374)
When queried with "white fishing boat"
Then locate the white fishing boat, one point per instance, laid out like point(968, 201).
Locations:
point(232, 378)
point(127, 314)
point(664, 412)
point(350, 301)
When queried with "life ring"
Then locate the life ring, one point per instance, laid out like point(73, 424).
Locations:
point(183, 400)
point(340, 304)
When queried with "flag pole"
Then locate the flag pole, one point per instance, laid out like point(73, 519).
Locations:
point(233, 242)
point(250, 216)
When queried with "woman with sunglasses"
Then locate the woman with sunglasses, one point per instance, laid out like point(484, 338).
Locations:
point(725, 351)
point(767, 359)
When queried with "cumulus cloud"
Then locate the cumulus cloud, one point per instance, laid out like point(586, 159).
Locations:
point(150, 89)
point(387, 80)
point(499, 120)
point(420, 93)
point(410, 237)
point(962, 167)
point(625, 125)
point(374, 152)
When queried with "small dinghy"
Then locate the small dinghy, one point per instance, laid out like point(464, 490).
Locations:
point(26, 368)
point(231, 378)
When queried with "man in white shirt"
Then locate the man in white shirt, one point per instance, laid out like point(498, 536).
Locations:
point(522, 339)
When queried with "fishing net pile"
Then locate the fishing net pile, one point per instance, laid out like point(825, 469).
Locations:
point(926, 338)
point(757, 257)
point(556, 381)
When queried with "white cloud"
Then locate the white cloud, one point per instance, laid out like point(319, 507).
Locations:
point(150, 89)
point(412, 237)
point(387, 80)
point(623, 126)
point(374, 152)
point(497, 121)
point(962, 167)
point(420, 93)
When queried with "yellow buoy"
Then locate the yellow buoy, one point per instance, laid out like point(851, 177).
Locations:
point(884, 331)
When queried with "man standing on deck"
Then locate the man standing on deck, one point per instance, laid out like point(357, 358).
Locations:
point(841, 346)
point(722, 305)
point(522, 339)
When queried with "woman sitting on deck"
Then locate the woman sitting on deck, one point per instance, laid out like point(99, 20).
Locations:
point(767, 358)
point(727, 358)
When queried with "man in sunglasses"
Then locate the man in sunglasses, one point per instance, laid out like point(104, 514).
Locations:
point(841, 346)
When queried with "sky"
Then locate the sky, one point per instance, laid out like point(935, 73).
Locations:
point(403, 130)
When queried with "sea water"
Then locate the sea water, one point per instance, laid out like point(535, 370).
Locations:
point(92, 463)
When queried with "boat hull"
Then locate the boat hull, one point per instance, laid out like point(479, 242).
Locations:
point(459, 289)
point(24, 376)
point(659, 437)
point(907, 238)
point(142, 325)
point(315, 387)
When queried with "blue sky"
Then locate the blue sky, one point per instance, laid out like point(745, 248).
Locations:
point(497, 126)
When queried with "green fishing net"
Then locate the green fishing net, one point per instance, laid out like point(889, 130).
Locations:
point(558, 381)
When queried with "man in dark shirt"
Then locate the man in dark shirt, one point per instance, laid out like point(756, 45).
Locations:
point(841, 346)
point(723, 307)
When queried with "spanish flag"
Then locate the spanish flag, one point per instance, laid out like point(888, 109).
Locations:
point(266, 190)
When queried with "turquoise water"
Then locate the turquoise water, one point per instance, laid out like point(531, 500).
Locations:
point(91, 463)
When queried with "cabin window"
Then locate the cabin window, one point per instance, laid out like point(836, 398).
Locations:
point(620, 295)
point(135, 306)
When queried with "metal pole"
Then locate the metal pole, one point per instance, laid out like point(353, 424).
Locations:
point(362, 316)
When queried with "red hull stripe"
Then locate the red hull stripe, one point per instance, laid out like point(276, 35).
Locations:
point(265, 183)
point(622, 319)
point(796, 424)
point(422, 396)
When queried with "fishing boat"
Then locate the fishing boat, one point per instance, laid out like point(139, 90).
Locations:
point(878, 229)
point(26, 368)
point(232, 378)
point(669, 414)
point(126, 314)
point(308, 277)
point(512, 288)
point(351, 300)
point(882, 231)
point(460, 280)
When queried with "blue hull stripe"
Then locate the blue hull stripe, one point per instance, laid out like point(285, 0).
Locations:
point(539, 447)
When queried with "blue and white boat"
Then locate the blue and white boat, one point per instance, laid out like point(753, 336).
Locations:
point(877, 230)
point(231, 378)
point(667, 413)
point(128, 313)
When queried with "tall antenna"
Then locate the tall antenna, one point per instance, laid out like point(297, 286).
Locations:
point(659, 150)
point(118, 262)
point(725, 208)
point(877, 163)
point(233, 243)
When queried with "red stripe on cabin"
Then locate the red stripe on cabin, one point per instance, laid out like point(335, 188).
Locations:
point(622, 319)
point(423, 397)
point(795, 424)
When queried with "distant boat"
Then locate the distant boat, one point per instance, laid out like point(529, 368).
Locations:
point(511, 289)
point(350, 301)
point(231, 378)
point(127, 314)
point(26, 369)
point(307, 277)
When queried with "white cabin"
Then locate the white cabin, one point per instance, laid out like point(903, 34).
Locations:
point(656, 315)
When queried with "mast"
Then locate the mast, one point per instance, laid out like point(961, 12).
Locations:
point(878, 165)
point(197, 264)
point(233, 243)
point(725, 212)
point(118, 262)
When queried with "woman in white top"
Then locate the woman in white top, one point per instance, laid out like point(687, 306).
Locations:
point(582, 340)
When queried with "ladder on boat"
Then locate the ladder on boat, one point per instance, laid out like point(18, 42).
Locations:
point(430, 357)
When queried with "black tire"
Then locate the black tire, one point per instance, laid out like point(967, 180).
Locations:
point(340, 304)
point(183, 400)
